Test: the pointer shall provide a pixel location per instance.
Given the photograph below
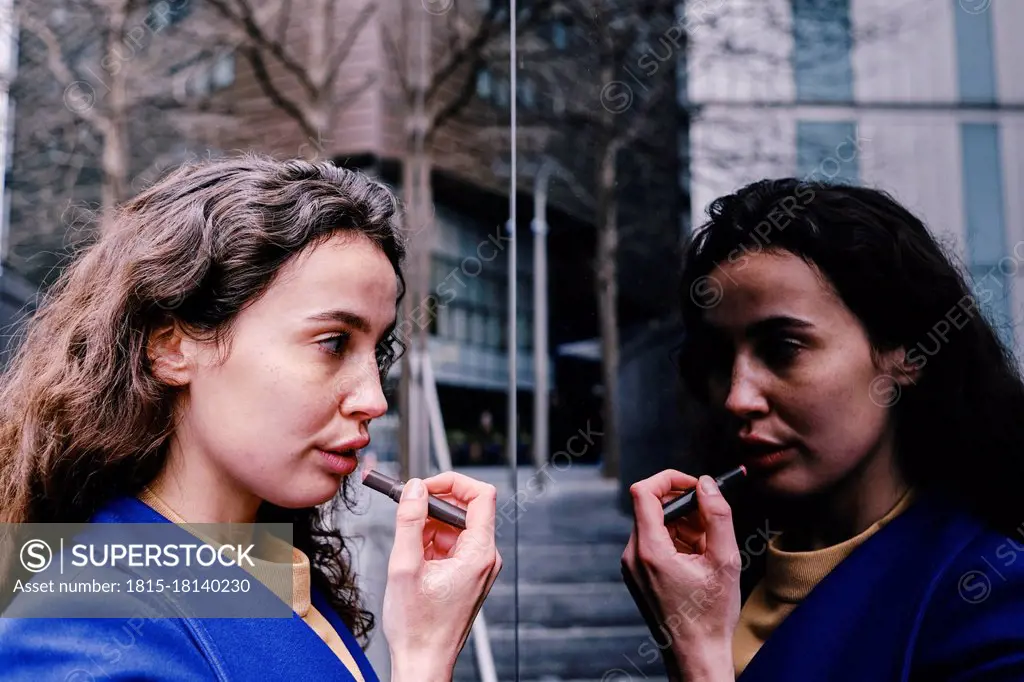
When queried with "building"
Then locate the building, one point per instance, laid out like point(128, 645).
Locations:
point(924, 100)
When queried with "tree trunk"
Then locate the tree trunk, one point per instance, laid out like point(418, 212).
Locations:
point(606, 269)
point(319, 117)
point(415, 441)
point(114, 158)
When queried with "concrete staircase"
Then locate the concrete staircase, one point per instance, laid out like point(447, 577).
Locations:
point(576, 618)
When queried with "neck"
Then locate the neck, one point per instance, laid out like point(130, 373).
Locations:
point(200, 492)
point(860, 499)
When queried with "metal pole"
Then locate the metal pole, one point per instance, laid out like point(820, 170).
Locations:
point(512, 328)
point(541, 397)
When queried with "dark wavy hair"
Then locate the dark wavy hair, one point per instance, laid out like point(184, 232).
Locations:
point(82, 416)
point(962, 423)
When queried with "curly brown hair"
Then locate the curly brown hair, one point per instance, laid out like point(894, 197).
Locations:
point(83, 418)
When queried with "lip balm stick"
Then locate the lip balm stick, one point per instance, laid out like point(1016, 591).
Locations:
point(687, 502)
point(436, 507)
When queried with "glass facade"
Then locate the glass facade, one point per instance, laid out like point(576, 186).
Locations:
point(822, 39)
point(827, 151)
point(976, 76)
point(990, 266)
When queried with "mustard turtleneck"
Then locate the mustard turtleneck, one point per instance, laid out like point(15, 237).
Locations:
point(789, 577)
point(266, 572)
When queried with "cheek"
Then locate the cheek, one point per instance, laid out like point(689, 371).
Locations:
point(259, 413)
point(836, 416)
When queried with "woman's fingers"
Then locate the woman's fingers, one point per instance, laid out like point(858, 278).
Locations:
point(410, 519)
point(687, 540)
point(663, 483)
point(716, 515)
point(652, 535)
point(476, 497)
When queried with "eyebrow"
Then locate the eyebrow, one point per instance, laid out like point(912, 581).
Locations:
point(357, 322)
point(353, 320)
point(777, 323)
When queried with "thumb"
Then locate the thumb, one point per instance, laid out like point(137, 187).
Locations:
point(716, 515)
point(407, 552)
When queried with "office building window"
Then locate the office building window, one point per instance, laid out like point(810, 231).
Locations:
point(223, 72)
point(527, 92)
point(475, 313)
point(990, 266)
point(502, 87)
point(826, 151)
point(484, 84)
point(166, 13)
point(976, 76)
point(556, 33)
point(822, 39)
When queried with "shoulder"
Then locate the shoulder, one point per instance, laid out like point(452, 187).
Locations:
point(91, 646)
point(973, 618)
point(99, 648)
point(127, 509)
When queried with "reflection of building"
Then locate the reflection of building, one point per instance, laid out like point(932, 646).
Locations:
point(925, 100)
point(468, 262)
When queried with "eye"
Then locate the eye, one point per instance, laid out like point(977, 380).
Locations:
point(780, 352)
point(340, 340)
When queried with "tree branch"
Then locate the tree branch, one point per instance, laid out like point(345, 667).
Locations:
point(347, 43)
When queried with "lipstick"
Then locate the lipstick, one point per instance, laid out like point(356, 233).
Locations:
point(687, 502)
point(436, 507)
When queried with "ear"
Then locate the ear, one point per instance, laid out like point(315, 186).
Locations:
point(169, 355)
point(902, 366)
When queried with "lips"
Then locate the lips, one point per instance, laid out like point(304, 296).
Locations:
point(348, 446)
point(763, 453)
point(344, 463)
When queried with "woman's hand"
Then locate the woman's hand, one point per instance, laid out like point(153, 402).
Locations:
point(685, 577)
point(438, 576)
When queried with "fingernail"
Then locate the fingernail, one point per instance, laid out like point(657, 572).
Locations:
point(708, 485)
point(414, 489)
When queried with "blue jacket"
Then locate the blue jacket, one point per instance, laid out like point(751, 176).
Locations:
point(934, 596)
point(235, 649)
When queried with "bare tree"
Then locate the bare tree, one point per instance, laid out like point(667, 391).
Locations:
point(297, 51)
point(103, 95)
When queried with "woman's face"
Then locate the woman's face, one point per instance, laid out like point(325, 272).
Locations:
point(793, 367)
point(301, 378)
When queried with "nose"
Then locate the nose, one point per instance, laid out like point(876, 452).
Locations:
point(746, 397)
point(362, 396)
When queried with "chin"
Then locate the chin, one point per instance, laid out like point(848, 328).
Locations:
point(788, 483)
point(310, 493)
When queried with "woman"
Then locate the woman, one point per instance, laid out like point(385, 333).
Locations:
point(217, 356)
point(833, 348)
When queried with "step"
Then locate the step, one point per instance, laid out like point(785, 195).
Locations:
point(611, 654)
point(563, 605)
point(561, 563)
